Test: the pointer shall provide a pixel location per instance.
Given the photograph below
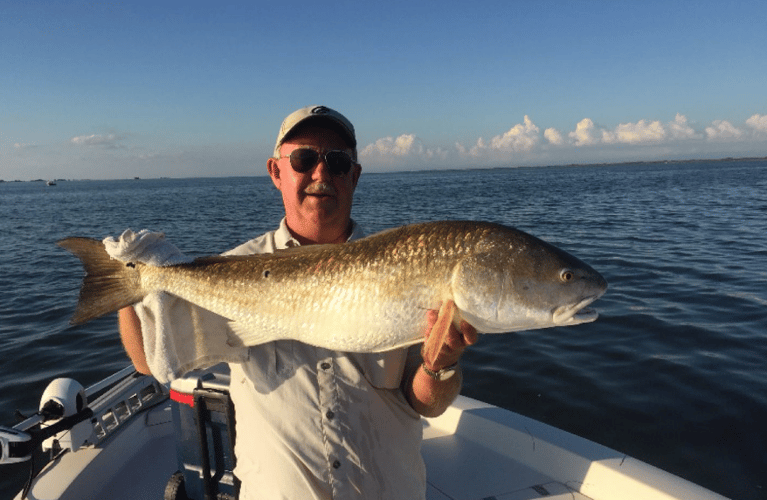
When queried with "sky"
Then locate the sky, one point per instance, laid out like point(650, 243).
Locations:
point(104, 90)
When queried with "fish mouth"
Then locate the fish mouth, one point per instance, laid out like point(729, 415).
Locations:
point(577, 313)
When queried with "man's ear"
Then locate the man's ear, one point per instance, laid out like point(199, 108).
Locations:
point(274, 171)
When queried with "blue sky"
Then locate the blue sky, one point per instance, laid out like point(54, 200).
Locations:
point(184, 89)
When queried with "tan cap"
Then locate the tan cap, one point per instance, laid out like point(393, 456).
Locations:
point(339, 121)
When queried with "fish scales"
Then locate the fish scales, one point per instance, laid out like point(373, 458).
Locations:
point(372, 294)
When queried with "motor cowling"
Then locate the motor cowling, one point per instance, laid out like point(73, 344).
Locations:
point(62, 398)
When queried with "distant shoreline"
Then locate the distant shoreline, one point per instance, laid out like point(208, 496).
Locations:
point(603, 164)
point(648, 162)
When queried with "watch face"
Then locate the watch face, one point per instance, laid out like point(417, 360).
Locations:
point(443, 374)
point(446, 373)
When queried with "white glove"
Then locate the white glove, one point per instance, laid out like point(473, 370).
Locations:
point(145, 247)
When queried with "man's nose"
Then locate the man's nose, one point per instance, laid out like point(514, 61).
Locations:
point(321, 171)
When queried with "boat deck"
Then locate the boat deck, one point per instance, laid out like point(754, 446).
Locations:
point(470, 455)
point(135, 463)
point(475, 451)
point(458, 468)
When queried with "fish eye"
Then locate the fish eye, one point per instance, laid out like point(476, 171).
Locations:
point(566, 275)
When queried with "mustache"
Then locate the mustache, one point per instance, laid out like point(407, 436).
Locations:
point(320, 188)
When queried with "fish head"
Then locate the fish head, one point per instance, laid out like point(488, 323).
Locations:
point(519, 282)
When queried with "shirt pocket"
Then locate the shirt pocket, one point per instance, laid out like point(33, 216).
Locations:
point(261, 367)
point(382, 369)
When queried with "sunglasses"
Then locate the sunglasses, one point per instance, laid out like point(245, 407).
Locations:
point(305, 159)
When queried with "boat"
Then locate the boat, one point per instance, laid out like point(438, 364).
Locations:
point(50, 183)
point(130, 437)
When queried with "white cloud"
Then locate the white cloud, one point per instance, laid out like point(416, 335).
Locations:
point(758, 123)
point(679, 129)
point(403, 146)
point(479, 148)
point(553, 136)
point(520, 137)
point(635, 133)
point(641, 132)
point(722, 130)
point(108, 140)
point(584, 133)
point(22, 145)
point(400, 146)
point(526, 143)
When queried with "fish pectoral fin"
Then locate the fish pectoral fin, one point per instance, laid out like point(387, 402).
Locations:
point(247, 334)
point(439, 331)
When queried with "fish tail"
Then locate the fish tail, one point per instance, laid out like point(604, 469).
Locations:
point(109, 284)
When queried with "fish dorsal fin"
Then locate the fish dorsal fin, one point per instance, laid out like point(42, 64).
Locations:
point(439, 331)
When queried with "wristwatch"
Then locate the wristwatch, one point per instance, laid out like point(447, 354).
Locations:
point(443, 374)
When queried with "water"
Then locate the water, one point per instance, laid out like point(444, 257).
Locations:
point(674, 372)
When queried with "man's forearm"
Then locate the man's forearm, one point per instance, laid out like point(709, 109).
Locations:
point(430, 397)
point(132, 338)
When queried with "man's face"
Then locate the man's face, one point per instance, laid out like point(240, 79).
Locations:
point(317, 203)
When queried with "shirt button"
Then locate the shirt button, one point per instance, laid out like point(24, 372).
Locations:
point(330, 414)
point(325, 365)
point(336, 464)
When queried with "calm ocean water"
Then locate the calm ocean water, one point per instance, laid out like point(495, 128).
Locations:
point(674, 372)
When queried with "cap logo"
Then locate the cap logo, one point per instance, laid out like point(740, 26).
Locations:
point(320, 110)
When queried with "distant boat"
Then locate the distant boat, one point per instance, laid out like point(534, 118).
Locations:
point(50, 183)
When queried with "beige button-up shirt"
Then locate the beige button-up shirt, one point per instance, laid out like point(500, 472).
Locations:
point(318, 424)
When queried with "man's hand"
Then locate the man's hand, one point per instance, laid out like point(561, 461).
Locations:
point(454, 344)
point(145, 247)
point(148, 248)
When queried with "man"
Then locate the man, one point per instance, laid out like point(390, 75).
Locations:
point(314, 423)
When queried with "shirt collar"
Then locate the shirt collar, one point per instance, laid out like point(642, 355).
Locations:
point(284, 239)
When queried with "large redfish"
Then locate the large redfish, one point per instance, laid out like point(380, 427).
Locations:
point(368, 295)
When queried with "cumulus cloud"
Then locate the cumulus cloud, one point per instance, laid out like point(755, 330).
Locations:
point(722, 130)
point(641, 132)
point(679, 129)
point(478, 148)
point(525, 142)
point(758, 123)
point(520, 137)
point(635, 133)
point(584, 133)
point(22, 145)
point(403, 146)
point(553, 136)
point(107, 140)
